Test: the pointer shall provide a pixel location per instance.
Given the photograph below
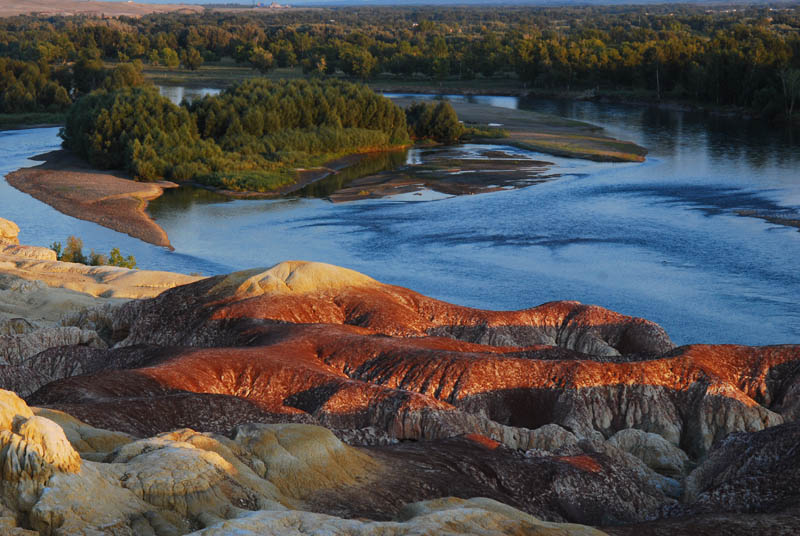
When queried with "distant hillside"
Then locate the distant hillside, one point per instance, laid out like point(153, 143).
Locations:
point(86, 7)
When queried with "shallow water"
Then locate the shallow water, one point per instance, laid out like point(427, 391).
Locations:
point(659, 239)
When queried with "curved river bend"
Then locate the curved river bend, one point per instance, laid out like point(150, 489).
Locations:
point(661, 239)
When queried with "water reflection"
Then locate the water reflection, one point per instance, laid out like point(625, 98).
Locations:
point(369, 165)
point(178, 93)
point(489, 100)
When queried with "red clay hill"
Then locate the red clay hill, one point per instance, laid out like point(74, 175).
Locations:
point(567, 411)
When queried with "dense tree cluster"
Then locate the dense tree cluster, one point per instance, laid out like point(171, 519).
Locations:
point(29, 87)
point(747, 56)
point(434, 120)
point(250, 137)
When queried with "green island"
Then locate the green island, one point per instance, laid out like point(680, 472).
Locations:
point(252, 137)
point(257, 136)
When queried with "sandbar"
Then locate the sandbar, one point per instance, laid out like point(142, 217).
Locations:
point(109, 198)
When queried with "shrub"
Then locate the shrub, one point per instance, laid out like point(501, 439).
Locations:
point(74, 253)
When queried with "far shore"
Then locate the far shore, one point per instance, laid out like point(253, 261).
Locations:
point(109, 198)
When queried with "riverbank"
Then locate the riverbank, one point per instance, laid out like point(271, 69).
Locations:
point(68, 184)
point(305, 177)
point(31, 120)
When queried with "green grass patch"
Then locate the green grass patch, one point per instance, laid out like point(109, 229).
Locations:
point(249, 181)
point(23, 120)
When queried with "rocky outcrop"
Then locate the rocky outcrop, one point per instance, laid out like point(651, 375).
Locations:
point(16, 349)
point(303, 292)
point(8, 232)
point(453, 516)
point(27, 252)
point(418, 388)
point(45, 304)
point(752, 472)
point(656, 452)
point(259, 479)
point(568, 412)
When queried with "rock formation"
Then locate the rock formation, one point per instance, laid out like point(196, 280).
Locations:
point(307, 395)
point(8, 232)
point(262, 479)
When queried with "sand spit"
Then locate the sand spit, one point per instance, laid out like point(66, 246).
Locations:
point(108, 198)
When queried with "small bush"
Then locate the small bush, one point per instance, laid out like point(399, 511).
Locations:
point(74, 253)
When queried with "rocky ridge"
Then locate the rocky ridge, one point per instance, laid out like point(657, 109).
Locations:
point(566, 413)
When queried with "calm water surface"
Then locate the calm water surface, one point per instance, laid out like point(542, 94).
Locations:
point(659, 239)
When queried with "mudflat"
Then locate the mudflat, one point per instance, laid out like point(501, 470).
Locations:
point(108, 198)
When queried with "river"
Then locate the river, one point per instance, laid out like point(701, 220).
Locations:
point(661, 239)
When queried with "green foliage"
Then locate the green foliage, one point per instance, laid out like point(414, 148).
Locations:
point(437, 121)
point(706, 53)
point(169, 57)
point(57, 247)
point(484, 132)
point(261, 59)
point(250, 137)
point(103, 127)
point(191, 59)
point(124, 75)
point(74, 253)
point(116, 259)
point(248, 181)
point(97, 259)
point(27, 87)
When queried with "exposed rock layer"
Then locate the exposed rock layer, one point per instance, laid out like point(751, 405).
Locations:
point(567, 412)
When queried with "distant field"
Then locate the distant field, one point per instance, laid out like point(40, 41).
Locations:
point(78, 7)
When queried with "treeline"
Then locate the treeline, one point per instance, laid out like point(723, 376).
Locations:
point(30, 86)
point(250, 137)
point(747, 56)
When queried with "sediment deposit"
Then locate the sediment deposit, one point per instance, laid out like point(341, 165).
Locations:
point(70, 185)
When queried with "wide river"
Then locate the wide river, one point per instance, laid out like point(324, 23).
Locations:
point(661, 239)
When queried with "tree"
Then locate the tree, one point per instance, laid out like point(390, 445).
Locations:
point(790, 82)
point(191, 58)
point(116, 259)
point(124, 75)
point(169, 57)
point(358, 62)
point(436, 121)
point(74, 251)
point(89, 71)
point(261, 59)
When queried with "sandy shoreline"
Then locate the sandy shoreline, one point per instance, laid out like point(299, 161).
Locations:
point(107, 198)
